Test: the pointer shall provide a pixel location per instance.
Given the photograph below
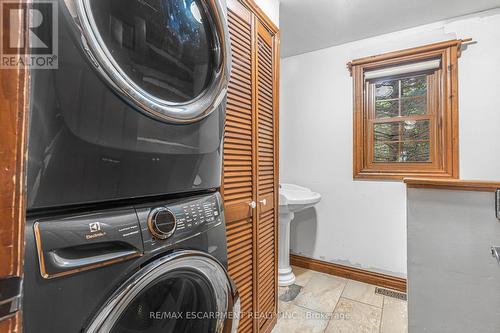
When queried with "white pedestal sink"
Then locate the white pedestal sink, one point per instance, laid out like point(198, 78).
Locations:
point(293, 198)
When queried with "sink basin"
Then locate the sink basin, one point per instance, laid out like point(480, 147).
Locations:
point(293, 198)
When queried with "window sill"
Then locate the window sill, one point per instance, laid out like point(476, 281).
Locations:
point(400, 176)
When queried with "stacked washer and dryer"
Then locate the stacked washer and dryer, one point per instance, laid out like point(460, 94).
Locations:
point(125, 225)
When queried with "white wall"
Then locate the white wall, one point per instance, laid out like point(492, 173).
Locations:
point(363, 223)
point(271, 8)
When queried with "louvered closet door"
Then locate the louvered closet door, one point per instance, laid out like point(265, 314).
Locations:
point(239, 181)
point(267, 179)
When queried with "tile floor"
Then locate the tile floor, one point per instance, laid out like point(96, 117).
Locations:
point(329, 304)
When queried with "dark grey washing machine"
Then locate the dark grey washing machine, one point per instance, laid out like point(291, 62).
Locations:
point(152, 267)
point(125, 228)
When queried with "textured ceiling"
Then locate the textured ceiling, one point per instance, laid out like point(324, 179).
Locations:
point(308, 25)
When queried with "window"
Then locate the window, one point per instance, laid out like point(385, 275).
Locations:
point(405, 113)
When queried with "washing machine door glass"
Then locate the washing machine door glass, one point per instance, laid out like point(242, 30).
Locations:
point(181, 293)
point(168, 57)
point(179, 301)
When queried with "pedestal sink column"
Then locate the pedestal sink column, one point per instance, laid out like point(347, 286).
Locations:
point(285, 274)
point(293, 198)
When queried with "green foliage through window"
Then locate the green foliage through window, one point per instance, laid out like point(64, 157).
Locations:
point(406, 140)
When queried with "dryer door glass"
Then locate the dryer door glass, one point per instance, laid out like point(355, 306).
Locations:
point(180, 301)
point(166, 47)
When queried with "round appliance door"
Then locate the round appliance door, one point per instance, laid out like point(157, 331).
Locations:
point(169, 58)
point(184, 292)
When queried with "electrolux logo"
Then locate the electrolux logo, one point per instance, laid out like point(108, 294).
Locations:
point(95, 231)
point(94, 227)
point(29, 34)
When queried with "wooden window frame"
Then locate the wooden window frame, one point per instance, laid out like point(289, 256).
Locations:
point(444, 153)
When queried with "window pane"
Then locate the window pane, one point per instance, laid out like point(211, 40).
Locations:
point(387, 90)
point(387, 109)
point(413, 106)
point(402, 130)
point(386, 152)
point(414, 86)
point(401, 152)
point(416, 130)
point(415, 152)
point(386, 131)
point(402, 141)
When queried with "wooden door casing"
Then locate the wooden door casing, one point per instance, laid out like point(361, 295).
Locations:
point(13, 128)
point(12, 175)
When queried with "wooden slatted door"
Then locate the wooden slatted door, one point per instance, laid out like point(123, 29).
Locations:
point(250, 176)
point(267, 183)
point(239, 181)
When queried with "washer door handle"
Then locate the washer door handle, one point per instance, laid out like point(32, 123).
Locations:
point(61, 261)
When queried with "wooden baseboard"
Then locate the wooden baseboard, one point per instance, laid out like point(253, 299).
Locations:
point(352, 273)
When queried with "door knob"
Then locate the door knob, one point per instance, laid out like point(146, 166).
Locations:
point(495, 252)
point(263, 202)
point(252, 204)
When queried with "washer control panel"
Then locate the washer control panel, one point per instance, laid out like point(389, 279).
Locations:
point(162, 223)
point(199, 212)
point(165, 223)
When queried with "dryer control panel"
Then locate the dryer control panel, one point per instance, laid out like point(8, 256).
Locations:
point(166, 223)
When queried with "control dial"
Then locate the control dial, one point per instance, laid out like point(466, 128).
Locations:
point(162, 223)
